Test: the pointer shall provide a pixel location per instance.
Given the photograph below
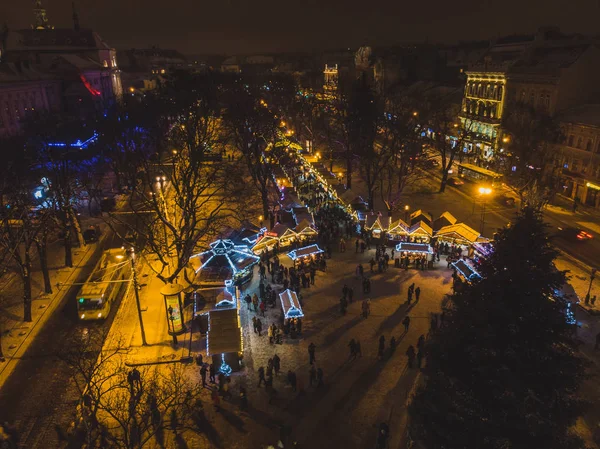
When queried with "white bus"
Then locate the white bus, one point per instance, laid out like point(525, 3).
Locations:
point(477, 174)
point(103, 286)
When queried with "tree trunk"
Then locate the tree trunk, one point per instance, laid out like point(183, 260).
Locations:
point(27, 287)
point(444, 180)
point(42, 249)
point(1, 353)
point(371, 199)
point(68, 247)
point(265, 204)
point(348, 170)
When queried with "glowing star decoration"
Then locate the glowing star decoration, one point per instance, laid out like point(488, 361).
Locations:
point(225, 368)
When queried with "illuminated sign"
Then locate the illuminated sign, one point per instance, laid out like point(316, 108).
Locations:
point(174, 313)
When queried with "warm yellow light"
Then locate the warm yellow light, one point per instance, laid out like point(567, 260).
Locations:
point(282, 123)
point(485, 190)
point(260, 217)
point(415, 113)
point(407, 207)
point(318, 155)
point(456, 125)
point(174, 151)
point(506, 139)
point(132, 89)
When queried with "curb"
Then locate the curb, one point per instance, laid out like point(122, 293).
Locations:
point(56, 299)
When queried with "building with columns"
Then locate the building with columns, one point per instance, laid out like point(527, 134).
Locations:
point(550, 71)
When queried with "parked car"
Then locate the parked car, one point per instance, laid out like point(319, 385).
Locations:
point(92, 234)
point(455, 182)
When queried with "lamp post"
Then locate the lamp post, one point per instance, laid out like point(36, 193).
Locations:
point(406, 209)
point(137, 295)
point(484, 192)
point(592, 277)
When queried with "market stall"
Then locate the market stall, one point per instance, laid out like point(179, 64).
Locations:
point(419, 254)
point(446, 219)
point(281, 236)
point(465, 270)
point(457, 234)
point(420, 215)
point(398, 231)
point(420, 232)
point(306, 232)
point(224, 261)
point(374, 226)
point(305, 254)
point(414, 248)
point(224, 342)
point(290, 304)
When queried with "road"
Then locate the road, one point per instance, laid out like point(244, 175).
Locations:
point(39, 394)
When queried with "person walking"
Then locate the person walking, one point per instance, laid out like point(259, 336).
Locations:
point(419, 359)
point(392, 344)
point(248, 300)
point(406, 323)
point(311, 353)
point(263, 308)
point(211, 373)
point(292, 379)
point(312, 376)
point(319, 377)
point(421, 343)
point(409, 295)
point(254, 319)
point(258, 326)
point(261, 375)
point(417, 294)
point(203, 375)
point(350, 294)
point(270, 334)
point(255, 302)
point(364, 308)
point(357, 244)
point(381, 347)
point(276, 364)
point(410, 353)
point(352, 346)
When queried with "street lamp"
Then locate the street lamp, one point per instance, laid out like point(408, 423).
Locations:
point(592, 277)
point(484, 192)
point(137, 295)
point(406, 209)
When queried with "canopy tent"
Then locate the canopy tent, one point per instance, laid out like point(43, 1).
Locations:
point(420, 231)
point(306, 251)
point(224, 333)
point(225, 261)
point(398, 229)
point(420, 248)
point(467, 272)
point(458, 233)
point(290, 304)
point(420, 215)
point(446, 219)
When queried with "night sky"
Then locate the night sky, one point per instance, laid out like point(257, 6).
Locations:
point(254, 26)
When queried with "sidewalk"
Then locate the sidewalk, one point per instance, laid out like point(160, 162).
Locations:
point(17, 334)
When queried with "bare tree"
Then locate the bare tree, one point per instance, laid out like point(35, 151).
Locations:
point(182, 201)
point(531, 135)
point(253, 130)
point(124, 407)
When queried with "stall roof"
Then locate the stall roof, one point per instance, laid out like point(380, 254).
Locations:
point(279, 230)
point(305, 227)
point(466, 270)
point(398, 227)
point(373, 221)
point(224, 333)
point(290, 304)
point(459, 231)
point(446, 219)
point(414, 248)
point(420, 215)
point(305, 251)
point(420, 228)
point(348, 196)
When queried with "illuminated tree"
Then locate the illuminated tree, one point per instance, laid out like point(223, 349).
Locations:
point(503, 370)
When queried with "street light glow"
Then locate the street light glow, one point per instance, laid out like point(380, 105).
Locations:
point(485, 190)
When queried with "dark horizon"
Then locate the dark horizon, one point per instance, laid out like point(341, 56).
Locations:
point(234, 27)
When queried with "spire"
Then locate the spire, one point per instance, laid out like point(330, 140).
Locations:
point(41, 21)
point(75, 18)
